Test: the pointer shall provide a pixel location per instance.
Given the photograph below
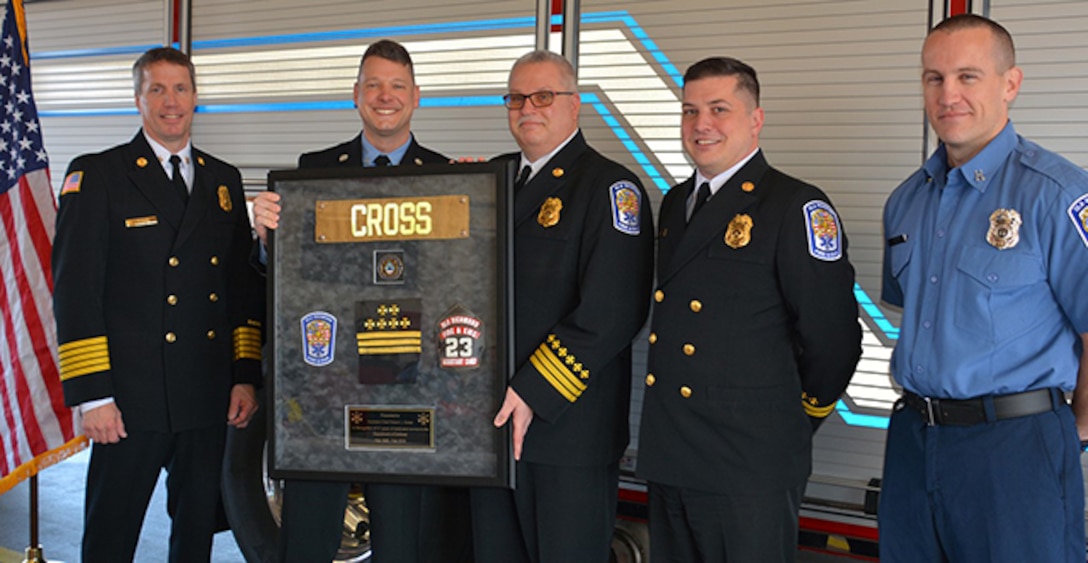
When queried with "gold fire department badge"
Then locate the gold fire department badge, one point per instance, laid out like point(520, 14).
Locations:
point(1004, 230)
point(549, 212)
point(224, 199)
point(739, 231)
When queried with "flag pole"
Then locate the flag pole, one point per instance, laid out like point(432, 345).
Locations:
point(34, 551)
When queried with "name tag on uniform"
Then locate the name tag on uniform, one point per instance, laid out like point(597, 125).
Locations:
point(389, 219)
point(148, 221)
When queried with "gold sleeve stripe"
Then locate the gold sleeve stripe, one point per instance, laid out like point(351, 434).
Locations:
point(390, 341)
point(556, 373)
point(97, 341)
point(247, 343)
point(818, 412)
point(83, 357)
point(389, 334)
point(563, 390)
point(560, 368)
point(374, 351)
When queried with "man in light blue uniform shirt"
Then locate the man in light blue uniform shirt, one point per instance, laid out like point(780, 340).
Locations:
point(986, 251)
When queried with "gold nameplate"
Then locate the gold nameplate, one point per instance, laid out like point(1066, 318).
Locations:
point(388, 219)
point(388, 427)
point(149, 221)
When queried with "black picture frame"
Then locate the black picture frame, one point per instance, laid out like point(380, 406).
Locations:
point(373, 412)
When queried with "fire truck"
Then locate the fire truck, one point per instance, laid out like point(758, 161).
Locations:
point(841, 91)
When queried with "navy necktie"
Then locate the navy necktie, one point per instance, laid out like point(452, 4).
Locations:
point(177, 179)
point(700, 199)
point(382, 160)
point(523, 177)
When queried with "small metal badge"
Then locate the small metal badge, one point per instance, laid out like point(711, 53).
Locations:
point(200, 160)
point(739, 232)
point(342, 158)
point(1004, 230)
point(418, 161)
point(549, 212)
point(747, 186)
point(224, 199)
point(822, 228)
point(460, 339)
point(141, 162)
point(318, 338)
point(557, 172)
point(388, 267)
point(626, 202)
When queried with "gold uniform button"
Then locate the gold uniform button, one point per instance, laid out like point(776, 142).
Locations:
point(650, 380)
point(211, 335)
point(215, 260)
point(171, 337)
point(213, 297)
point(659, 296)
point(653, 338)
point(689, 350)
point(172, 299)
point(685, 392)
point(696, 305)
point(173, 261)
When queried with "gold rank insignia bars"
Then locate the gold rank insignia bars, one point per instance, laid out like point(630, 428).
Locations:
point(389, 340)
point(247, 341)
point(560, 368)
point(82, 357)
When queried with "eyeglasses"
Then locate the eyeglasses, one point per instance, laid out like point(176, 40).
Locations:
point(541, 99)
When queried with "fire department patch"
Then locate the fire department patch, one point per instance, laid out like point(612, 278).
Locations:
point(388, 267)
point(460, 339)
point(626, 201)
point(318, 338)
point(824, 233)
point(1078, 213)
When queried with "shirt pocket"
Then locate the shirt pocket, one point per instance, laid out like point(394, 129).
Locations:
point(899, 257)
point(999, 294)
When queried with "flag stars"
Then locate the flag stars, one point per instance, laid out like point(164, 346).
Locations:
point(22, 96)
point(41, 155)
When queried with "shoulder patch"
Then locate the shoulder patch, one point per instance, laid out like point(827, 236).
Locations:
point(72, 183)
point(1078, 213)
point(626, 202)
point(824, 233)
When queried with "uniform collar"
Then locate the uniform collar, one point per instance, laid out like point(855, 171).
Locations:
point(978, 171)
point(539, 163)
point(370, 152)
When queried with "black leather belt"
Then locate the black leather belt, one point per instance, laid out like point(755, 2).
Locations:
point(965, 412)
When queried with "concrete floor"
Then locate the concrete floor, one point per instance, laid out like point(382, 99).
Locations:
point(61, 520)
point(60, 524)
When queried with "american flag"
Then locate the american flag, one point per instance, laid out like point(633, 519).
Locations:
point(36, 429)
